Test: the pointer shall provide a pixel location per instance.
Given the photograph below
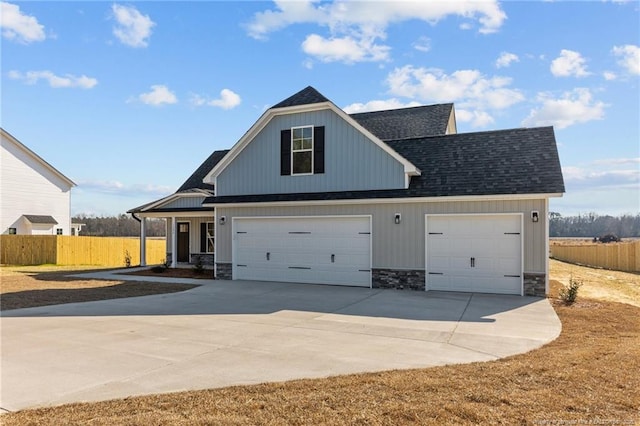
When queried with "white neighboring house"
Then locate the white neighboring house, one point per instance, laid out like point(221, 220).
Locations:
point(35, 198)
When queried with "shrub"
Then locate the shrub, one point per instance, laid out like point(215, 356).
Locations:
point(158, 269)
point(569, 294)
point(127, 258)
point(198, 268)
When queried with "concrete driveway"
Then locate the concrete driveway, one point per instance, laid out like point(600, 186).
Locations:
point(239, 332)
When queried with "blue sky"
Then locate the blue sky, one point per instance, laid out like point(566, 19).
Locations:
point(127, 99)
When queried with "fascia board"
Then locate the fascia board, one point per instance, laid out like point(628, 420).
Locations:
point(461, 198)
point(175, 196)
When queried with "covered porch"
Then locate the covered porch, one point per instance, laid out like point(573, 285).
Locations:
point(190, 237)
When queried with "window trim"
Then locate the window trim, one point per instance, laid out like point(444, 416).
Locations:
point(211, 237)
point(294, 151)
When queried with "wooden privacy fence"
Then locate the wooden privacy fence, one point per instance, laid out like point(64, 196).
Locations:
point(77, 250)
point(623, 256)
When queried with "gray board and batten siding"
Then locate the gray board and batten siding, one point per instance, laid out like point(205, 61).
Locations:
point(401, 246)
point(352, 161)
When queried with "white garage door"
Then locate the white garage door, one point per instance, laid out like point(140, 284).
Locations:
point(323, 250)
point(474, 253)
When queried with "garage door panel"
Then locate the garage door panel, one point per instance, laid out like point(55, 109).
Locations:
point(328, 250)
point(479, 253)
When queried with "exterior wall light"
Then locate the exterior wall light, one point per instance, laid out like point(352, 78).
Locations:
point(222, 220)
point(535, 216)
point(397, 218)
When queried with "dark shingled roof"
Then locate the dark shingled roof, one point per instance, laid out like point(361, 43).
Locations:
point(405, 123)
point(503, 162)
point(40, 219)
point(195, 180)
point(306, 96)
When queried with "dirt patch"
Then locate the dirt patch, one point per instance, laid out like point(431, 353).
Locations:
point(26, 287)
point(206, 274)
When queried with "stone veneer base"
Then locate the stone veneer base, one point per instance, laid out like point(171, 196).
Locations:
point(410, 279)
point(224, 271)
point(399, 279)
point(534, 284)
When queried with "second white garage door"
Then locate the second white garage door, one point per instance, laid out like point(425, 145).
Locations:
point(474, 253)
point(323, 250)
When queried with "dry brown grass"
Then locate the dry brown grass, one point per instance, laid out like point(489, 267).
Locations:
point(589, 375)
point(602, 284)
point(25, 287)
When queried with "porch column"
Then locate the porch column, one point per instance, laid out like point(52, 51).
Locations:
point(143, 242)
point(174, 242)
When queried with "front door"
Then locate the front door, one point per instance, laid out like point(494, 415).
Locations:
point(183, 242)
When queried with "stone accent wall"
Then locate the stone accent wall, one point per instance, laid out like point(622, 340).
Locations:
point(223, 271)
point(207, 259)
point(399, 279)
point(534, 284)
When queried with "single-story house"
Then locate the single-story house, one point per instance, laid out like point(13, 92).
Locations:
point(35, 197)
point(384, 199)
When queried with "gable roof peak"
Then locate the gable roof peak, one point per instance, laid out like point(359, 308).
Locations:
point(306, 96)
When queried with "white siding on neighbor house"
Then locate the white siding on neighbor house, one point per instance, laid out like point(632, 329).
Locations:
point(29, 187)
point(352, 161)
point(403, 246)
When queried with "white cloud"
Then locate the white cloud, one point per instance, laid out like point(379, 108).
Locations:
point(577, 106)
point(55, 81)
point(228, 100)
point(475, 118)
point(505, 59)
point(629, 58)
point(601, 176)
point(568, 64)
point(608, 75)
point(356, 27)
point(19, 26)
point(344, 49)
point(423, 44)
point(474, 93)
point(159, 95)
point(133, 28)
point(378, 105)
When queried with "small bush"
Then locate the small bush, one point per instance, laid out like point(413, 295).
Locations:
point(198, 268)
point(569, 294)
point(158, 269)
point(127, 258)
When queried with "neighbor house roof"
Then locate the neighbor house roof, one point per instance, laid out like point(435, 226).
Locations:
point(40, 219)
point(503, 162)
point(405, 123)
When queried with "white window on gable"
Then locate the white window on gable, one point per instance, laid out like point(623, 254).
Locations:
point(302, 150)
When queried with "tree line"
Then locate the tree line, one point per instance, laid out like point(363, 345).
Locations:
point(588, 225)
point(119, 226)
point(592, 225)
